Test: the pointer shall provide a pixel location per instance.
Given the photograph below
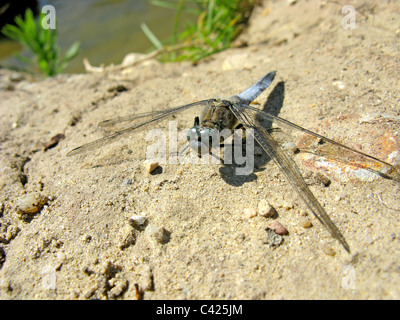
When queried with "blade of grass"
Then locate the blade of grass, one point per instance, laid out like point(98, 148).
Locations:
point(219, 23)
point(165, 4)
point(150, 35)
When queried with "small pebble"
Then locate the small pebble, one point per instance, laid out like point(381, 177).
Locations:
point(118, 287)
point(324, 180)
point(290, 147)
point(305, 223)
point(137, 221)
point(273, 240)
point(339, 84)
point(11, 233)
point(53, 141)
point(150, 165)
point(31, 203)
point(157, 233)
point(278, 228)
point(283, 204)
point(250, 212)
point(127, 182)
point(328, 250)
point(265, 209)
point(16, 77)
point(126, 237)
point(303, 213)
point(61, 256)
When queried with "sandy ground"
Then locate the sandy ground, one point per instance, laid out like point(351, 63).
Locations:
point(77, 240)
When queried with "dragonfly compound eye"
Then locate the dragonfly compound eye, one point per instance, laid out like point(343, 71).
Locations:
point(202, 140)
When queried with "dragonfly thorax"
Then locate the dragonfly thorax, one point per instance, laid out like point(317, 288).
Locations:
point(219, 116)
point(206, 133)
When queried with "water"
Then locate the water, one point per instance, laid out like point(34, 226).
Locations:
point(107, 30)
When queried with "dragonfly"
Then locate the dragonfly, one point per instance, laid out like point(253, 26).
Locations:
point(219, 114)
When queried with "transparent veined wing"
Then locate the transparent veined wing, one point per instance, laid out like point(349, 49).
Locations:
point(248, 116)
point(313, 143)
point(154, 116)
point(110, 124)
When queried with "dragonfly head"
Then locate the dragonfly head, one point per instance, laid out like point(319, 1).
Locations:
point(201, 138)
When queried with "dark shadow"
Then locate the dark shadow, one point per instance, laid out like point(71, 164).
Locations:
point(273, 105)
point(157, 171)
point(2, 257)
point(167, 236)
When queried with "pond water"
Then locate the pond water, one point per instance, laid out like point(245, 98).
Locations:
point(107, 29)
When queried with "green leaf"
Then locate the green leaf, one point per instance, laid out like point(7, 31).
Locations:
point(29, 32)
point(72, 51)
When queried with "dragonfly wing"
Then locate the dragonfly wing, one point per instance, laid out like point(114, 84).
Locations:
point(132, 117)
point(314, 143)
point(249, 120)
point(157, 117)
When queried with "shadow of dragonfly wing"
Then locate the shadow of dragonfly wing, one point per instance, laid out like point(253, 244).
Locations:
point(155, 117)
point(316, 144)
point(248, 116)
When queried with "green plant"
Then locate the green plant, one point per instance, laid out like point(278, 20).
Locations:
point(219, 22)
point(41, 42)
